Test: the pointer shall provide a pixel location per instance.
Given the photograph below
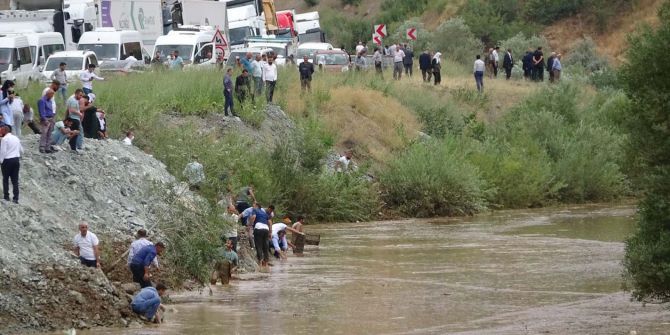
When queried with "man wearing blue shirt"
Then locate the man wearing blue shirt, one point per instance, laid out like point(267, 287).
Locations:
point(148, 301)
point(141, 262)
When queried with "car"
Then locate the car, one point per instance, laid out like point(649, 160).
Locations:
point(335, 60)
point(77, 62)
point(309, 49)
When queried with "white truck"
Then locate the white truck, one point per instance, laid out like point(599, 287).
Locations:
point(147, 16)
point(70, 18)
point(309, 27)
point(244, 21)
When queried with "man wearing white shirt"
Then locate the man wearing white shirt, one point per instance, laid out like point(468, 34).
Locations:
point(86, 247)
point(479, 73)
point(257, 74)
point(87, 78)
point(398, 66)
point(270, 78)
point(494, 60)
point(10, 154)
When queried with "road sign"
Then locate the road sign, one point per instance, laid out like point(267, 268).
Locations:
point(380, 30)
point(377, 39)
point(219, 40)
point(411, 34)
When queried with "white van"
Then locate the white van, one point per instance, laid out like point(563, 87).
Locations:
point(16, 63)
point(43, 45)
point(193, 43)
point(111, 44)
point(77, 62)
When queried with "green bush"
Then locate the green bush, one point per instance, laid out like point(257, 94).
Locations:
point(585, 55)
point(433, 178)
point(424, 37)
point(548, 11)
point(647, 259)
point(400, 10)
point(520, 173)
point(343, 30)
point(456, 41)
point(312, 3)
point(520, 43)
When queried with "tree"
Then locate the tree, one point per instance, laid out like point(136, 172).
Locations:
point(644, 77)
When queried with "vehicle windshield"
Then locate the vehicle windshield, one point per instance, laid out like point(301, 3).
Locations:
point(73, 63)
point(335, 59)
point(50, 49)
point(237, 35)
point(102, 51)
point(234, 54)
point(185, 50)
point(310, 37)
point(5, 58)
point(308, 52)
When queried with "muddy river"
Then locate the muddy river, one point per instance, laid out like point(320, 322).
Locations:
point(552, 271)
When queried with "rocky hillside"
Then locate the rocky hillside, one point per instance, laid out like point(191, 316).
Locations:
point(111, 186)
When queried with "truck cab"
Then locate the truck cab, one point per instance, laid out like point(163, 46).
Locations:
point(16, 62)
point(286, 24)
point(111, 44)
point(309, 28)
point(243, 22)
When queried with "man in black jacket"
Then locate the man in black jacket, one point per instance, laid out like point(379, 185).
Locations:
point(508, 63)
point(306, 70)
point(424, 65)
point(538, 65)
point(527, 64)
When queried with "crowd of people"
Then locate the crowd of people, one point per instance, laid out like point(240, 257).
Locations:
point(258, 74)
point(80, 119)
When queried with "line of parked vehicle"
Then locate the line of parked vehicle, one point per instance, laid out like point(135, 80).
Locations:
point(36, 36)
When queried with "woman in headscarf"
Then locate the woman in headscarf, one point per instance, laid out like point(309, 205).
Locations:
point(436, 63)
point(6, 100)
point(91, 124)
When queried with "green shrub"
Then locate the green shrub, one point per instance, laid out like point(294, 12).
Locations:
point(520, 173)
point(343, 30)
point(400, 10)
point(312, 3)
point(585, 55)
point(520, 43)
point(456, 41)
point(423, 40)
point(433, 178)
point(647, 259)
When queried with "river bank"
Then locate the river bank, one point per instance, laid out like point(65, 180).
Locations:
point(548, 271)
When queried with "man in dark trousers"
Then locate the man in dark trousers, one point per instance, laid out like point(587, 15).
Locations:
point(508, 63)
point(550, 66)
point(538, 65)
point(141, 262)
point(424, 65)
point(10, 154)
point(306, 69)
point(408, 61)
point(527, 64)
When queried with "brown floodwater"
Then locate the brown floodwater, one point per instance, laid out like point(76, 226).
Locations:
point(549, 271)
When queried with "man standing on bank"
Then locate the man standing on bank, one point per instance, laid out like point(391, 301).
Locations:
point(10, 154)
point(306, 70)
point(86, 247)
point(508, 63)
